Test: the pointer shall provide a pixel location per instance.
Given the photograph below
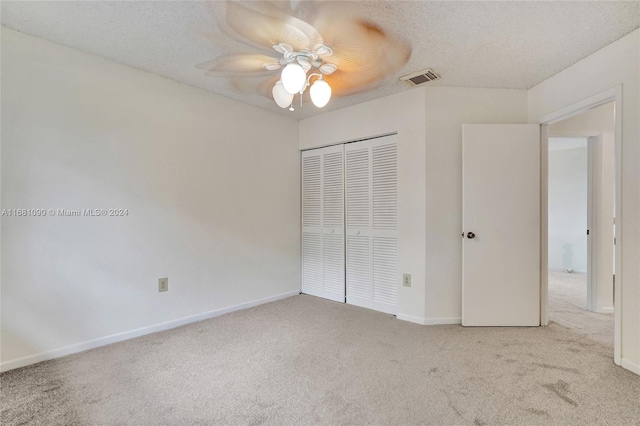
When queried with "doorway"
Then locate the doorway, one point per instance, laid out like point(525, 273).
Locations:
point(580, 236)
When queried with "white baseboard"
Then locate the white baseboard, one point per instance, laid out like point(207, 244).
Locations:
point(429, 321)
point(442, 321)
point(118, 337)
point(609, 310)
point(410, 318)
point(631, 366)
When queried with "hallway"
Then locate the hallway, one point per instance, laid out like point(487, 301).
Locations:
point(568, 307)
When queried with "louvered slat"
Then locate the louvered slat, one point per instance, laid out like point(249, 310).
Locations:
point(333, 197)
point(311, 262)
point(358, 191)
point(385, 184)
point(359, 267)
point(385, 270)
point(333, 264)
point(311, 191)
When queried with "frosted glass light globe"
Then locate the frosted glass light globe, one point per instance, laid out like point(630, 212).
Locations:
point(293, 78)
point(320, 93)
point(280, 95)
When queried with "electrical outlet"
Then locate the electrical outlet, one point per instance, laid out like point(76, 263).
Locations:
point(406, 280)
point(163, 284)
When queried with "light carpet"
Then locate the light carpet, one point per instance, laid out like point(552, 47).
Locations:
point(306, 360)
point(568, 307)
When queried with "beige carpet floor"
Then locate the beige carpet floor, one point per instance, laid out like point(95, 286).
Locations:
point(306, 360)
point(568, 307)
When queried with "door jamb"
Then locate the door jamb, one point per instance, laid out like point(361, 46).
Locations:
point(593, 143)
point(614, 94)
point(544, 224)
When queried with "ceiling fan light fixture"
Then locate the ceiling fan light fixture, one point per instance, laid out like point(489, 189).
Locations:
point(304, 62)
point(327, 69)
point(320, 92)
point(282, 48)
point(293, 78)
point(365, 54)
point(322, 50)
point(281, 96)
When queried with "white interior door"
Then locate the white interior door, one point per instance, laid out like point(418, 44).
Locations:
point(323, 223)
point(501, 225)
point(372, 224)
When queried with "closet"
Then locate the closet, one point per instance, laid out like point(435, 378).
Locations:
point(350, 223)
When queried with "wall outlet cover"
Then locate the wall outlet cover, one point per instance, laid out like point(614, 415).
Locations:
point(163, 284)
point(406, 280)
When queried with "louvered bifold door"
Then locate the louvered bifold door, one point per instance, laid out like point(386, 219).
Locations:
point(372, 276)
point(323, 223)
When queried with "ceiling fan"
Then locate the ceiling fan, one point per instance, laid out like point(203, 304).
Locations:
point(305, 44)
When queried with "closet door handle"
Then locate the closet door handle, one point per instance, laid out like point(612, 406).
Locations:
point(332, 230)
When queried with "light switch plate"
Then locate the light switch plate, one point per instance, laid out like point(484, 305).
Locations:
point(406, 280)
point(163, 284)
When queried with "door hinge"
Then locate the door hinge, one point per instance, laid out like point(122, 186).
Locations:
point(587, 232)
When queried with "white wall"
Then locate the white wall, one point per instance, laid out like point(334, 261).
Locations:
point(211, 186)
point(616, 64)
point(568, 207)
point(429, 125)
point(447, 108)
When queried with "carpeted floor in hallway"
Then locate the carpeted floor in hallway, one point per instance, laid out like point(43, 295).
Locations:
point(306, 360)
point(568, 307)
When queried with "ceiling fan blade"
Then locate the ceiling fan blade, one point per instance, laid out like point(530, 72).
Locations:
point(265, 88)
point(245, 86)
point(361, 45)
point(356, 43)
point(345, 83)
point(364, 54)
point(240, 65)
point(268, 27)
point(251, 86)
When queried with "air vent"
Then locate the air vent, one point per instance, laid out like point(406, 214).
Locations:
point(421, 77)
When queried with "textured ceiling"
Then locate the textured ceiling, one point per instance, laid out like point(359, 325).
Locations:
point(471, 44)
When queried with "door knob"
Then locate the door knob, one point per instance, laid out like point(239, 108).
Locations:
point(358, 232)
point(471, 235)
point(332, 230)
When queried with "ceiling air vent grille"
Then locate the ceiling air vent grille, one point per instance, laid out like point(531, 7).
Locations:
point(421, 77)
